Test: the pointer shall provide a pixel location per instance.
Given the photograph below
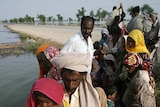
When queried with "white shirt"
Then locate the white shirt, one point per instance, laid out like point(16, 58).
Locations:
point(75, 100)
point(77, 43)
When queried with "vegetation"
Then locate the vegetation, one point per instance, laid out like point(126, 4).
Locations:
point(100, 15)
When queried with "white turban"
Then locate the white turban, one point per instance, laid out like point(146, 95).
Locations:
point(81, 63)
point(73, 60)
point(104, 31)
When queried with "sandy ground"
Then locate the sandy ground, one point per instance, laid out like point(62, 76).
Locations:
point(56, 34)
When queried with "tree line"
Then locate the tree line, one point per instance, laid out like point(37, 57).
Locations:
point(99, 15)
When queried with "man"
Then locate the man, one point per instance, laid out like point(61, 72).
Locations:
point(136, 21)
point(152, 38)
point(82, 42)
point(75, 73)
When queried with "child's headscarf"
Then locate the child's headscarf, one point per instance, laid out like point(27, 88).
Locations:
point(49, 52)
point(49, 87)
point(140, 46)
point(132, 59)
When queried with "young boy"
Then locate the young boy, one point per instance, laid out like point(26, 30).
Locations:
point(111, 93)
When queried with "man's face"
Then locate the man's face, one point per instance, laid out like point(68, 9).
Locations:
point(71, 80)
point(87, 28)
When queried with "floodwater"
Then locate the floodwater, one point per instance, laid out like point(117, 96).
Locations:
point(17, 73)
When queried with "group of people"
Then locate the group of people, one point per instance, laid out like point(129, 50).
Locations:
point(113, 72)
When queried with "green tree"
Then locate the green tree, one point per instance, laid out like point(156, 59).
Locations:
point(92, 13)
point(80, 14)
point(21, 20)
point(59, 18)
point(5, 21)
point(101, 14)
point(70, 20)
point(28, 19)
point(49, 19)
point(146, 9)
point(41, 18)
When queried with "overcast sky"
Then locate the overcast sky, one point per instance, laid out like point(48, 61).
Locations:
point(67, 8)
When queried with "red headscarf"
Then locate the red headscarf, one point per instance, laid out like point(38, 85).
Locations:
point(49, 87)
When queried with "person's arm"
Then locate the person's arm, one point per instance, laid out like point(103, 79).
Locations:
point(102, 97)
point(68, 47)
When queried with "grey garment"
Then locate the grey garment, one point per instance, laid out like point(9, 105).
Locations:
point(154, 32)
point(135, 23)
point(142, 94)
point(138, 93)
point(140, 22)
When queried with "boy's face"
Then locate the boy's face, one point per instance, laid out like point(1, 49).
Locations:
point(113, 96)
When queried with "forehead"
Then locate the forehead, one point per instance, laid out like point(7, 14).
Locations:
point(129, 39)
point(67, 72)
point(87, 22)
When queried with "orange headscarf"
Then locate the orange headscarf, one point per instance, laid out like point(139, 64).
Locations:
point(39, 50)
point(140, 46)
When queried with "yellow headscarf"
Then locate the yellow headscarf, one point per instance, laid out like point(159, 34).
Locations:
point(140, 46)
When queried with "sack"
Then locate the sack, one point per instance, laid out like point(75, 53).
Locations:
point(141, 22)
point(147, 24)
point(112, 15)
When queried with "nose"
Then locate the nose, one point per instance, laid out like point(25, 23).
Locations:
point(44, 105)
point(71, 85)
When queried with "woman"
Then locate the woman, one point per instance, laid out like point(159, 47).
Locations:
point(136, 43)
point(44, 54)
point(46, 92)
point(136, 68)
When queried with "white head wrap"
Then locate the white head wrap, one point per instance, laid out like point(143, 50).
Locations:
point(79, 62)
point(104, 31)
point(73, 60)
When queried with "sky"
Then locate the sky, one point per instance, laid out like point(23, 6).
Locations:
point(10, 9)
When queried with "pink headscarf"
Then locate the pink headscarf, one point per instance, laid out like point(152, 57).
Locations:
point(49, 52)
point(50, 87)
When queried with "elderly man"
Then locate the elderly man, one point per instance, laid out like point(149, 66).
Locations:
point(80, 92)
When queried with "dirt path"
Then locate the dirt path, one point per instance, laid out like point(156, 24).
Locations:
point(56, 34)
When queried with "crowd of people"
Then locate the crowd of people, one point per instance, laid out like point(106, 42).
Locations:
point(115, 71)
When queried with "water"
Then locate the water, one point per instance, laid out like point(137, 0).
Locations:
point(6, 36)
point(17, 74)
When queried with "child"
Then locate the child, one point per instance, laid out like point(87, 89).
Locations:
point(46, 92)
point(111, 92)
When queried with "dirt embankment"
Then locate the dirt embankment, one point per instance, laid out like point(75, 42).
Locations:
point(55, 35)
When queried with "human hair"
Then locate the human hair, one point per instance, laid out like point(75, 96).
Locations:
point(114, 7)
point(110, 89)
point(86, 18)
point(39, 94)
point(136, 10)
